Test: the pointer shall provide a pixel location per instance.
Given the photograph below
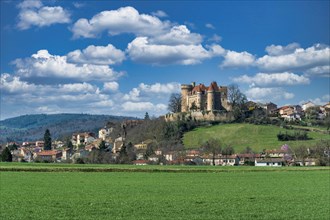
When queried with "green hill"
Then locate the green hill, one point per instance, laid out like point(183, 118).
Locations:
point(258, 137)
point(32, 127)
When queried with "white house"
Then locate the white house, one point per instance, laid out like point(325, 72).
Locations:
point(269, 162)
point(307, 105)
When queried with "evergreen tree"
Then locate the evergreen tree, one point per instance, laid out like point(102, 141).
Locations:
point(6, 155)
point(70, 146)
point(102, 145)
point(47, 140)
point(146, 116)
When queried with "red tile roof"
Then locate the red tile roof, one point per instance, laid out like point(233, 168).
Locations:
point(213, 87)
point(48, 153)
point(199, 88)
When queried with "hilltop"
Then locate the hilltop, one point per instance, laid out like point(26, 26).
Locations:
point(32, 127)
point(240, 136)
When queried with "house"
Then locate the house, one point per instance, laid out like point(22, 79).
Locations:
point(104, 133)
point(306, 162)
point(270, 108)
point(48, 155)
point(325, 109)
point(141, 146)
point(269, 162)
point(66, 154)
point(208, 159)
point(192, 153)
point(40, 144)
point(229, 160)
point(83, 138)
point(248, 158)
point(79, 154)
point(140, 162)
point(169, 156)
point(276, 153)
point(153, 158)
point(158, 152)
point(118, 144)
point(251, 105)
point(291, 112)
point(26, 154)
point(140, 154)
point(307, 105)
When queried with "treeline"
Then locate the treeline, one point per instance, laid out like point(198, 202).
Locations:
point(31, 127)
point(296, 136)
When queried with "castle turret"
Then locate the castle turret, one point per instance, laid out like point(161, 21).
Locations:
point(185, 90)
point(212, 91)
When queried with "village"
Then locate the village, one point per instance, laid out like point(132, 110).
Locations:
point(81, 146)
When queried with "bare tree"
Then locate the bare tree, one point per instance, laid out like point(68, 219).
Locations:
point(237, 100)
point(174, 104)
point(213, 146)
point(235, 96)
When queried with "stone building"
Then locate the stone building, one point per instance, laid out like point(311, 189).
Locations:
point(203, 98)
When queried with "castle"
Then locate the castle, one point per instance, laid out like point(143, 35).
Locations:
point(202, 98)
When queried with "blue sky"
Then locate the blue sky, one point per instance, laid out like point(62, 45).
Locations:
point(127, 57)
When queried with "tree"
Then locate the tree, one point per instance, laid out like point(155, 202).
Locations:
point(213, 146)
point(237, 100)
point(235, 96)
point(102, 145)
point(47, 140)
point(146, 116)
point(6, 155)
point(312, 113)
point(70, 145)
point(301, 152)
point(174, 104)
point(14, 146)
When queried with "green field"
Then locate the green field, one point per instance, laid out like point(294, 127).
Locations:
point(258, 137)
point(239, 193)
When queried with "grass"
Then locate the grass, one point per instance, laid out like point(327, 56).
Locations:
point(258, 137)
point(160, 195)
point(62, 167)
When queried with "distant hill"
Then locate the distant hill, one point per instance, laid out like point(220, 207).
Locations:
point(32, 127)
point(240, 136)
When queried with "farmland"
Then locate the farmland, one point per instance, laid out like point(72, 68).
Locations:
point(230, 193)
point(258, 137)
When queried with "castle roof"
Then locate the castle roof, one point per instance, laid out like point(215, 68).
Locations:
point(199, 88)
point(213, 87)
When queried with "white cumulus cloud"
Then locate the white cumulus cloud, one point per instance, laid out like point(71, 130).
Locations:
point(210, 26)
point(33, 13)
point(100, 55)
point(238, 59)
point(160, 88)
point(142, 51)
point(143, 106)
point(271, 79)
point(278, 50)
point(159, 13)
point(122, 20)
point(295, 59)
point(43, 64)
point(110, 86)
point(178, 35)
point(266, 94)
point(322, 71)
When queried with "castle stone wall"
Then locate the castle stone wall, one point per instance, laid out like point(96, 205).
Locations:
point(201, 116)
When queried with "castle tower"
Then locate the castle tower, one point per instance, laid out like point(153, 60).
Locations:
point(212, 92)
point(185, 90)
